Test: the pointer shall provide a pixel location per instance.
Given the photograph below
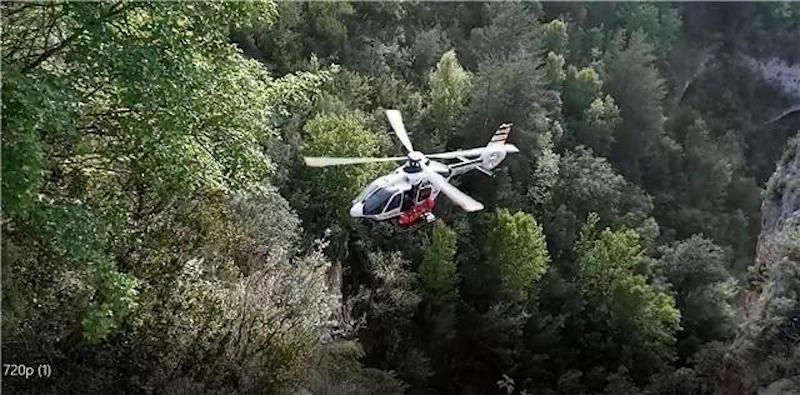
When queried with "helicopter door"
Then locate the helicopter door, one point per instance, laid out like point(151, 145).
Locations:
point(424, 193)
point(394, 203)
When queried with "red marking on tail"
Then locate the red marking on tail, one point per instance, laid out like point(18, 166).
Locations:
point(501, 135)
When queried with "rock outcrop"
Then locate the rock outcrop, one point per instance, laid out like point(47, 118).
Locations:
point(765, 358)
point(780, 211)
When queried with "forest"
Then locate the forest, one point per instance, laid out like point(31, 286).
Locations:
point(162, 235)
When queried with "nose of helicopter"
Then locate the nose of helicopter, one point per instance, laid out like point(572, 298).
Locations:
point(357, 210)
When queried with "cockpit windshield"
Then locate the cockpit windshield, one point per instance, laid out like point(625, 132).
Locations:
point(370, 189)
point(377, 201)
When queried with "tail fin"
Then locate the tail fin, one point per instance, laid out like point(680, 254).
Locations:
point(501, 135)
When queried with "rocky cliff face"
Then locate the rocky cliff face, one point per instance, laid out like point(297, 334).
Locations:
point(765, 358)
point(780, 211)
point(781, 208)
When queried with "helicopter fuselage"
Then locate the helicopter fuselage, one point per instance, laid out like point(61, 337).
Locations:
point(406, 192)
point(403, 190)
point(410, 191)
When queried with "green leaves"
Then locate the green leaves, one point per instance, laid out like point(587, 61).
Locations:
point(31, 109)
point(711, 172)
point(512, 30)
point(146, 163)
point(696, 268)
point(23, 169)
point(554, 70)
point(77, 237)
point(517, 246)
point(114, 301)
point(302, 31)
point(660, 24)
point(438, 274)
point(600, 122)
point(587, 183)
point(450, 85)
point(634, 82)
point(112, 128)
point(331, 189)
point(606, 256)
point(610, 263)
point(580, 89)
point(554, 37)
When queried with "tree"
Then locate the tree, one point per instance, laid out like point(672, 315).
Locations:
point(554, 70)
point(517, 246)
point(545, 178)
point(389, 307)
point(708, 171)
point(144, 130)
point(513, 90)
point(587, 183)
point(661, 25)
point(554, 37)
point(703, 289)
point(609, 264)
point(429, 45)
point(381, 58)
point(594, 118)
point(267, 326)
point(598, 127)
point(187, 120)
point(634, 83)
point(580, 89)
point(330, 190)
point(438, 273)
point(339, 370)
point(437, 316)
point(512, 29)
point(303, 31)
point(449, 84)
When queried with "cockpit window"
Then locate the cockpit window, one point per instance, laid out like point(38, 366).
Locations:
point(371, 188)
point(395, 203)
point(367, 191)
point(377, 201)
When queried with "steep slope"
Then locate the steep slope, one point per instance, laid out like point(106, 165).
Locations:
point(765, 357)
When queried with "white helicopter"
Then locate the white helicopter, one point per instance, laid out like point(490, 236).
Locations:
point(410, 191)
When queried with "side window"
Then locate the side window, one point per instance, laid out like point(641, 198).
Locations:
point(424, 193)
point(395, 203)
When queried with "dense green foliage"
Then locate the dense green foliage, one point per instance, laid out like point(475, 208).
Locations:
point(438, 273)
point(642, 316)
point(517, 248)
point(161, 235)
point(338, 135)
point(449, 86)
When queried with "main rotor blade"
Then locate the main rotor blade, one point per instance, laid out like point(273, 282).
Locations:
point(458, 197)
point(323, 161)
point(396, 120)
point(510, 148)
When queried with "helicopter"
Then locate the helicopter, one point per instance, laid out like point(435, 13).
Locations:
point(409, 192)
